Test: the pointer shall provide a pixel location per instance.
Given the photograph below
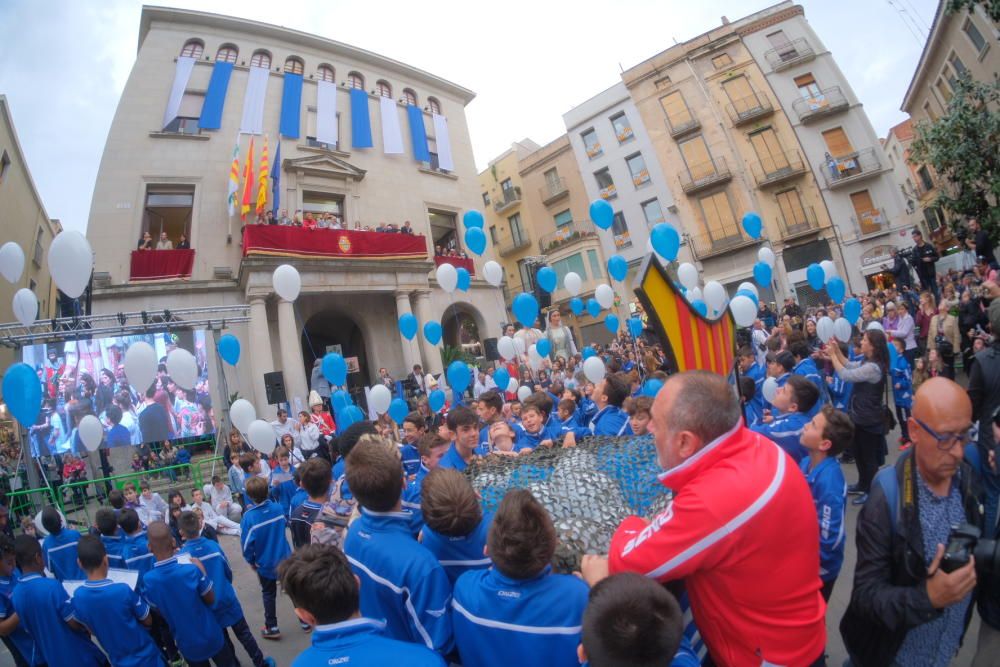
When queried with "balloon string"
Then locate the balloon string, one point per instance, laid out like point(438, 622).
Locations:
point(305, 331)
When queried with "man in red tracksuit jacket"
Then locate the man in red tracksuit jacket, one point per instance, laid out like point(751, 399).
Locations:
point(741, 531)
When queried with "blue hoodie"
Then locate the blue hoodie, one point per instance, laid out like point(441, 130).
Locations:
point(829, 492)
point(901, 375)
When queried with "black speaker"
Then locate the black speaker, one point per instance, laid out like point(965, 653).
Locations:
point(274, 385)
point(492, 353)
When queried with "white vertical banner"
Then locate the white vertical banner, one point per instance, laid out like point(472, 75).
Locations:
point(326, 113)
point(392, 136)
point(253, 101)
point(182, 73)
point(445, 160)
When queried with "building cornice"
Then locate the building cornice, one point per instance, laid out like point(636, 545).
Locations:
point(546, 154)
point(772, 20)
point(938, 27)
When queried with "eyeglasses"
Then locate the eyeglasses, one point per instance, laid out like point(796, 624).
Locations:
point(945, 441)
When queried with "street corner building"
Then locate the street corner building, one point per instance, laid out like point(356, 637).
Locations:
point(362, 165)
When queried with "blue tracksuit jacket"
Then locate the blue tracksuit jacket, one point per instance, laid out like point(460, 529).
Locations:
point(361, 642)
point(901, 375)
point(227, 608)
point(755, 407)
point(458, 555)
point(263, 539)
point(807, 368)
point(785, 430)
point(829, 491)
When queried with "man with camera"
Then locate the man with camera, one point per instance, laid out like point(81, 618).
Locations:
point(925, 257)
point(915, 578)
point(900, 269)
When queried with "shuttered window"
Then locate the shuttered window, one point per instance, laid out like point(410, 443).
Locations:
point(837, 142)
point(769, 152)
point(738, 90)
point(697, 158)
point(720, 223)
point(807, 86)
point(720, 61)
point(676, 109)
point(862, 202)
point(790, 202)
point(869, 218)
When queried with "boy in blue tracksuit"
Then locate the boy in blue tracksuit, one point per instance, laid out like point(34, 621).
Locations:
point(226, 607)
point(59, 547)
point(537, 428)
point(902, 390)
point(414, 428)
point(779, 367)
point(518, 612)
point(111, 536)
point(283, 489)
point(609, 394)
point(566, 415)
point(432, 448)
point(806, 367)
point(751, 369)
point(828, 434)
point(324, 591)
point(455, 527)
point(401, 581)
point(489, 410)
point(264, 547)
point(464, 424)
point(794, 401)
point(17, 640)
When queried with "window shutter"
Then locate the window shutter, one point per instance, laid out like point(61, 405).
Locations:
point(837, 142)
point(675, 108)
point(791, 207)
point(862, 202)
point(697, 158)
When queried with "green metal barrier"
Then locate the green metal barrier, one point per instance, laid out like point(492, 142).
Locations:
point(29, 502)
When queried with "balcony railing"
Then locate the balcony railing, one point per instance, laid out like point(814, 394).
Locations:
point(512, 245)
point(778, 168)
point(565, 235)
point(697, 177)
point(828, 102)
point(857, 166)
point(553, 190)
point(869, 223)
point(509, 198)
point(151, 266)
point(609, 191)
point(718, 242)
point(785, 56)
point(458, 262)
point(594, 150)
point(799, 223)
point(683, 127)
point(753, 106)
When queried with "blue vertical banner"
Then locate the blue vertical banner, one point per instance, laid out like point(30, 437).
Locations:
point(361, 123)
point(291, 104)
point(418, 133)
point(215, 97)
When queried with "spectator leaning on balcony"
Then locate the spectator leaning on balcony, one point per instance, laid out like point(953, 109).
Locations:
point(164, 243)
point(283, 219)
point(184, 244)
point(406, 228)
point(146, 242)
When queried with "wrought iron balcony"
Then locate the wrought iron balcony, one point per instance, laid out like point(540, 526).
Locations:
point(683, 127)
point(778, 168)
point(511, 245)
point(704, 175)
point(553, 191)
point(510, 198)
point(750, 108)
point(799, 223)
point(828, 102)
point(857, 166)
point(564, 236)
point(789, 54)
point(718, 242)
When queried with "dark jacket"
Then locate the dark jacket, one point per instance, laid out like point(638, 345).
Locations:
point(926, 270)
point(901, 272)
point(889, 597)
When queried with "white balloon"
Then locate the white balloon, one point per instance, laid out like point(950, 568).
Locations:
point(140, 366)
point(505, 346)
point(534, 359)
point(769, 389)
point(593, 368)
point(766, 255)
point(715, 295)
point(71, 261)
point(605, 295)
point(11, 261)
point(519, 345)
point(825, 328)
point(743, 310)
point(25, 305)
point(875, 325)
point(573, 283)
point(183, 368)
point(523, 393)
point(750, 287)
point(380, 397)
point(687, 273)
point(287, 282)
point(91, 432)
point(512, 385)
point(694, 294)
point(842, 329)
point(447, 277)
point(260, 435)
point(242, 414)
point(493, 273)
point(829, 269)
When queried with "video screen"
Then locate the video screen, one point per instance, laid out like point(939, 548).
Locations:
point(81, 378)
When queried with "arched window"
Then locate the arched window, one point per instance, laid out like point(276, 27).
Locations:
point(409, 96)
point(434, 105)
point(261, 59)
point(227, 53)
point(294, 65)
point(355, 80)
point(325, 73)
point(383, 89)
point(193, 48)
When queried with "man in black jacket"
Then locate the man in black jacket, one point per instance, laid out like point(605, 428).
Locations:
point(927, 257)
point(900, 270)
point(904, 608)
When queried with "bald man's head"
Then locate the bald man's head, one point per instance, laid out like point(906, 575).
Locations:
point(940, 396)
point(939, 428)
point(692, 410)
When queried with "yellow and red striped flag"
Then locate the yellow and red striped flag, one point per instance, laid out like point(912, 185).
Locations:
point(234, 179)
point(264, 172)
point(247, 182)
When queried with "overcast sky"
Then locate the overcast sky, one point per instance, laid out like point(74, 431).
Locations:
point(63, 63)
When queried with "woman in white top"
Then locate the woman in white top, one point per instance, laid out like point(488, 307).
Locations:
point(308, 436)
point(559, 336)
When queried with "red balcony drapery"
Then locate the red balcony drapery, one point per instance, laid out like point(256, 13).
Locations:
point(464, 262)
point(158, 265)
point(283, 241)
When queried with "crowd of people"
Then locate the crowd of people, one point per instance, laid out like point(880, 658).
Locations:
point(334, 221)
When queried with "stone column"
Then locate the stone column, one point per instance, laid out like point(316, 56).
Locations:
point(260, 356)
point(430, 353)
point(292, 367)
point(410, 355)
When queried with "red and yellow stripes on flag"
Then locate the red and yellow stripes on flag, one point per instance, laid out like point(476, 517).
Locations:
point(265, 170)
point(233, 187)
point(247, 183)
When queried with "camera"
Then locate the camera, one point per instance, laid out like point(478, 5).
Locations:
point(908, 254)
point(964, 541)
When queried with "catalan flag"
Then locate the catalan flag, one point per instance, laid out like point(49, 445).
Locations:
point(234, 179)
point(247, 182)
point(265, 172)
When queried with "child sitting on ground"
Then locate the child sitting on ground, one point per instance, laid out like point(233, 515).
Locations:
point(793, 401)
point(156, 508)
point(212, 518)
point(455, 527)
point(221, 498)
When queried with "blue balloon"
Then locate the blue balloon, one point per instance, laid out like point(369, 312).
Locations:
point(635, 326)
point(432, 332)
point(334, 369)
point(611, 322)
point(852, 310)
point(340, 399)
point(700, 306)
point(593, 307)
point(229, 349)
point(473, 218)
point(525, 307)
point(836, 288)
point(589, 352)
point(893, 355)
point(502, 378)
point(665, 241)
point(652, 387)
point(752, 225)
point(464, 278)
point(23, 393)
point(350, 415)
point(750, 295)
point(459, 376)
point(398, 410)
point(547, 279)
point(601, 213)
point(543, 347)
point(475, 240)
point(436, 400)
point(762, 274)
point(408, 325)
point(816, 276)
point(617, 267)
point(576, 305)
